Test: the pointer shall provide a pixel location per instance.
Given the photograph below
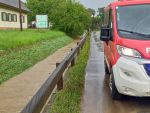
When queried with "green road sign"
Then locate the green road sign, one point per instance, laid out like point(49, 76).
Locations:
point(42, 21)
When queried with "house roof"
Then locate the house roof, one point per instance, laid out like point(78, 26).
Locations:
point(14, 4)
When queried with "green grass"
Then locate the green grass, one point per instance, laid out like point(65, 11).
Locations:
point(15, 62)
point(69, 99)
point(12, 39)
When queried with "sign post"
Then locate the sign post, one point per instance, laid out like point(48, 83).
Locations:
point(42, 21)
point(20, 14)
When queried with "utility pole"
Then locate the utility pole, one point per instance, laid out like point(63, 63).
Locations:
point(20, 14)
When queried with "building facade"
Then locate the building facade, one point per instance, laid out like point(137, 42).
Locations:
point(9, 14)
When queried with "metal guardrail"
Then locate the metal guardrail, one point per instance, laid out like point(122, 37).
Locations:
point(55, 79)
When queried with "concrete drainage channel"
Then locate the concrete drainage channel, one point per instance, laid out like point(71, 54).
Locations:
point(40, 99)
point(96, 36)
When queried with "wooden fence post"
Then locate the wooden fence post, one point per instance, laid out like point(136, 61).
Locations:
point(73, 61)
point(60, 82)
point(78, 52)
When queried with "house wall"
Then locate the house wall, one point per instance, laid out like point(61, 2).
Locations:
point(11, 25)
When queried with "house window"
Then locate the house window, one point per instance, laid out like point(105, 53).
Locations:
point(23, 19)
point(4, 16)
point(9, 17)
point(14, 17)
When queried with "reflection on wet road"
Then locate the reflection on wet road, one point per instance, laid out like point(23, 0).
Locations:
point(97, 96)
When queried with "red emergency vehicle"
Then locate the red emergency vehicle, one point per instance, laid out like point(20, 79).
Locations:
point(126, 36)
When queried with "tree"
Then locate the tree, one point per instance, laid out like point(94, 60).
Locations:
point(96, 23)
point(92, 11)
point(36, 7)
point(101, 14)
point(66, 15)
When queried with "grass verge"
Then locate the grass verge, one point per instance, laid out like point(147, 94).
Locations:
point(69, 99)
point(14, 39)
point(18, 61)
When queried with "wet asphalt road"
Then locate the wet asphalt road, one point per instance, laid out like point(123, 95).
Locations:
point(97, 95)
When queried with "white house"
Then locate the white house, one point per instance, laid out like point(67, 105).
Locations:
point(9, 14)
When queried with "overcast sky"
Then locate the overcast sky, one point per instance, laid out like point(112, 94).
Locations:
point(94, 4)
point(23, 0)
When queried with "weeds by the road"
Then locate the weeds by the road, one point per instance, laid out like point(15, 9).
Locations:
point(69, 99)
point(18, 61)
point(12, 39)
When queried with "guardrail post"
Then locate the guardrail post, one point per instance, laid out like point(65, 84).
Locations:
point(71, 49)
point(78, 51)
point(60, 82)
point(73, 61)
point(82, 44)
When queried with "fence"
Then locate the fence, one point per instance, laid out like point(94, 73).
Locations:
point(55, 79)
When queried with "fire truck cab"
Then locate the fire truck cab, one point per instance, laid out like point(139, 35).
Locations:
point(126, 36)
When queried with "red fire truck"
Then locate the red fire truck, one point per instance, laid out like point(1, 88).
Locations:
point(126, 36)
